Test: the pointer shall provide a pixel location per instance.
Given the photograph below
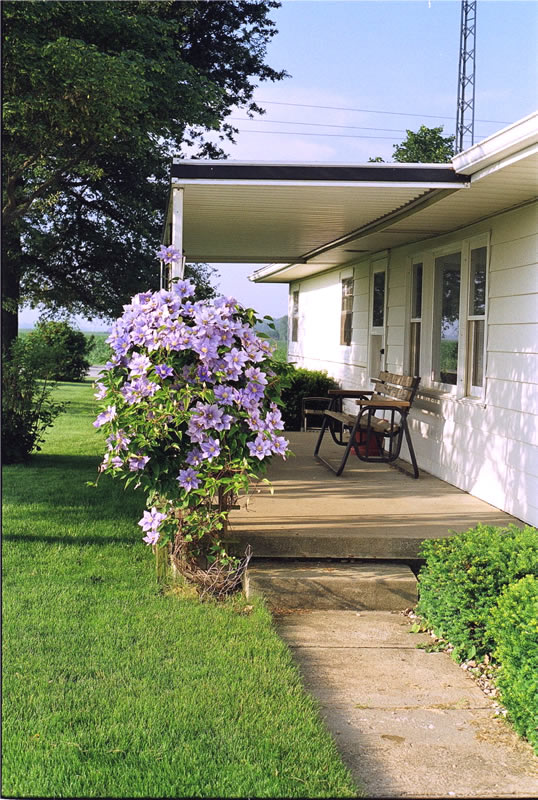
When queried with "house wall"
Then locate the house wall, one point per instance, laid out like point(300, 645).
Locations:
point(486, 445)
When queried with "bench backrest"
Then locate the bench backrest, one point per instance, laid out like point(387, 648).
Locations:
point(396, 387)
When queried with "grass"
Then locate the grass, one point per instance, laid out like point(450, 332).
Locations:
point(112, 689)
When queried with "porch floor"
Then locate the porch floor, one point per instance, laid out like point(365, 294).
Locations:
point(370, 511)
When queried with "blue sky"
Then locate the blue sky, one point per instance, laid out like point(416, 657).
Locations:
point(399, 57)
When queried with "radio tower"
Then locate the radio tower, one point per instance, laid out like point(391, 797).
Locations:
point(466, 82)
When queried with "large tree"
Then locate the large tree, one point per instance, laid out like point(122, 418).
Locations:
point(97, 97)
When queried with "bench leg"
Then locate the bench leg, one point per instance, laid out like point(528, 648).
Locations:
point(321, 434)
point(340, 468)
point(411, 448)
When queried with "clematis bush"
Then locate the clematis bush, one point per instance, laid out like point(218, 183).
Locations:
point(190, 409)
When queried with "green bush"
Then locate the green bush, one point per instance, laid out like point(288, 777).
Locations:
point(303, 383)
point(513, 625)
point(27, 406)
point(72, 348)
point(100, 351)
point(463, 578)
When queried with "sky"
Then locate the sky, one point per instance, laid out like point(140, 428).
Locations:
point(362, 72)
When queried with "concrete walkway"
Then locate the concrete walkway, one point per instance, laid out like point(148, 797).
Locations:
point(408, 723)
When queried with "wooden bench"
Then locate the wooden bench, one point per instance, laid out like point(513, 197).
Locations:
point(372, 437)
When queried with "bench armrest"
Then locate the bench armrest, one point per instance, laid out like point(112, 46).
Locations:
point(352, 393)
point(379, 402)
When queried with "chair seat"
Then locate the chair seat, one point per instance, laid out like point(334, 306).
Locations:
point(376, 423)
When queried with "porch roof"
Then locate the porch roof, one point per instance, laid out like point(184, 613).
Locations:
point(306, 218)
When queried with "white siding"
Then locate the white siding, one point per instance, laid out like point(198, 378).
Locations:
point(487, 447)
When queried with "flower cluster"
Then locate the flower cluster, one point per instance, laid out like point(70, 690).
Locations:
point(191, 404)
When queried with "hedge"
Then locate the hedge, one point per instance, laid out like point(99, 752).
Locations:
point(463, 578)
point(513, 626)
point(302, 383)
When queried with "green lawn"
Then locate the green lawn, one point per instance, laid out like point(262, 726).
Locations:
point(111, 689)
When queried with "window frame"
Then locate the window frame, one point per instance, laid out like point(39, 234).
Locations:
point(464, 388)
point(415, 320)
point(294, 315)
point(346, 314)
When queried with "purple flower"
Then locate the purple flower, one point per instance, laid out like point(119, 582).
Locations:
point(168, 254)
point(225, 394)
point(138, 462)
point(194, 457)
point(256, 375)
point(150, 523)
point(101, 390)
point(118, 440)
point(188, 479)
point(260, 447)
point(139, 364)
point(206, 347)
point(279, 445)
point(236, 359)
point(152, 537)
point(105, 416)
point(164, 371)
point(210, 449)
point(184, 288)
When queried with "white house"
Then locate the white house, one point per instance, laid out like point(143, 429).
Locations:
point(417, 269)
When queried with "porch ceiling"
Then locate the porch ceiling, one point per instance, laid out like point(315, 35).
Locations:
point(259, 213)
point(490, 193)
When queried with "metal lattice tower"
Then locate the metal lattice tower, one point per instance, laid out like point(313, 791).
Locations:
point(466, 77)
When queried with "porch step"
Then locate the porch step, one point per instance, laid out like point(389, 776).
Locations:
point(326, 585)
point(286, 539)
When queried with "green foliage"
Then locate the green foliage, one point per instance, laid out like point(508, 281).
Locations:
point(425, 146)
point(72, 349)
point(100, 351)
point(513, 626)
point(28, 408)
point(303, 383)
point(464, 576)
point(97, 97)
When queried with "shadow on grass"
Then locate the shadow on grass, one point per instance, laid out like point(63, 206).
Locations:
point(57, 485)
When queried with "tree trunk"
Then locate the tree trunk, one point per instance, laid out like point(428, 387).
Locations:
point(11, 285)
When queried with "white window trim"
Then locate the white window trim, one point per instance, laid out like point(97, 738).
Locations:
point(462, 390)
point(293, 289)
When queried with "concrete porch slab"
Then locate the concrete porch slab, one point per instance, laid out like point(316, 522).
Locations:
point(370, 511)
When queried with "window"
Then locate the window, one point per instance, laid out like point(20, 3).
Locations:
point(476, 321)
point(446, 323)
point(416, 319)
point(378, 307)
point(295, 317)
point(346, 317)
point(459, 300)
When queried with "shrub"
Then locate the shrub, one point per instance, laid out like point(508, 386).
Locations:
point(100, 351)
point(72, 348)
point(27, 407)
point(513, 626)
point(303, 383)
point(464, 576)
point(191, 411)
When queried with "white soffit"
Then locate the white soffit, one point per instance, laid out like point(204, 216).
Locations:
point(508, 183)
point(260, 212)
point(261, 223)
